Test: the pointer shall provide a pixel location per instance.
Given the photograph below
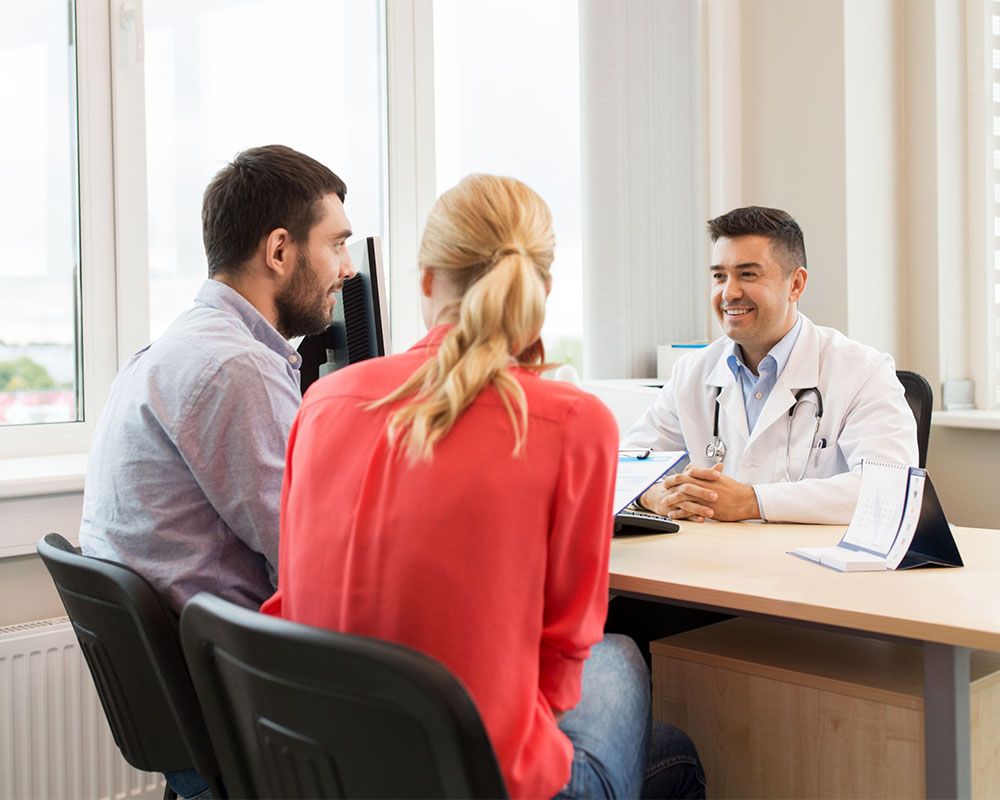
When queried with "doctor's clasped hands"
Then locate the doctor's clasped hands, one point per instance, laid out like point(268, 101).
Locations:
point(701, 493)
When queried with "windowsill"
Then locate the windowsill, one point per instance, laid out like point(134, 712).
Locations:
point(28, 477)
point(970, 418)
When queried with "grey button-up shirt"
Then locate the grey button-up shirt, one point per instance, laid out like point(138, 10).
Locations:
point(184, 475)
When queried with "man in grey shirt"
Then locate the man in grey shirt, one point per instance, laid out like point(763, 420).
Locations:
point(184, 476)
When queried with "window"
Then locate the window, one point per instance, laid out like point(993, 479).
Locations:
point(225, 75)
point(40, 341)
point(102, 185)
point(507, 101)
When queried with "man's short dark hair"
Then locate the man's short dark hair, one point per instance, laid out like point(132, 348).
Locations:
point(787, 243)
point(264, 188)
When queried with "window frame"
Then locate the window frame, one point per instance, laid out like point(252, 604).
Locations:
point(112, 206)
point(95, 209)
point(409, 60)
point(984, 315)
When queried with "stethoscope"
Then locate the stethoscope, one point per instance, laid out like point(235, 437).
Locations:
point(715, 450)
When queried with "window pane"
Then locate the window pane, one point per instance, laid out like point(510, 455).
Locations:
point(39, 273)
point(507, 101)
point(225, 75)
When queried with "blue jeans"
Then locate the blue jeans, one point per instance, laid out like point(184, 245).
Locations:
point(188, 784)
point(673, 768)
point(614, 754)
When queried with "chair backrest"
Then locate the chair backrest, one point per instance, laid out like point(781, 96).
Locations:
point(297, 711)
point(131, 642)
point(921, 400)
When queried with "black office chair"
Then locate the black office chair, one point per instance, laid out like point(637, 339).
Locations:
point(921, 400)
point(131, 642)
point(297, 712)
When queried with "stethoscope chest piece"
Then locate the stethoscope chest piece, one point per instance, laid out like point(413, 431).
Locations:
point(715, 450)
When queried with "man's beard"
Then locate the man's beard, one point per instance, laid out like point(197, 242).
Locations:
point(303, 306)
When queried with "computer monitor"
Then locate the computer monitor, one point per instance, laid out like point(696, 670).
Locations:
point(360, 328)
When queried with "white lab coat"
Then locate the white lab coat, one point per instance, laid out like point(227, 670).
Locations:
point(865, 415)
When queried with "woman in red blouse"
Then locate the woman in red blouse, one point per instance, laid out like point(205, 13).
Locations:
point(450, 500)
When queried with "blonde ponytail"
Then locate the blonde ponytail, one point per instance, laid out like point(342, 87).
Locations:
point(491, 238)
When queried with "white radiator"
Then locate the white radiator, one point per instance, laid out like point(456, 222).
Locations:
point(54, 739)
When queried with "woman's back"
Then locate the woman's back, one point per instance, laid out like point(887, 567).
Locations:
point(493, 563)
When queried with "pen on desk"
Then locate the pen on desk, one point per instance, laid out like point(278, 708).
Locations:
point(636, 452)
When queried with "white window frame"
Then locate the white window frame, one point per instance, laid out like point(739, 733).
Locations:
point(113, 206)
point(412, 178)
point(982, 334)
point(129, 136)
point(97, 252)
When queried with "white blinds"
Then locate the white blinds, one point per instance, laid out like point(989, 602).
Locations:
point(644, 240)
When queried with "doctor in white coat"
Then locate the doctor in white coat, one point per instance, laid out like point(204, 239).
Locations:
point(778, 413)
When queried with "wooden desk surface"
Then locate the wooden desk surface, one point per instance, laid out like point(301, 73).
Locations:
point(745, 567)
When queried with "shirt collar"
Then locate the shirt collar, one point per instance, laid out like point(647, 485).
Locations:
point(432, 341)
point(433, 338)
point(221, 297)
point(779, 354)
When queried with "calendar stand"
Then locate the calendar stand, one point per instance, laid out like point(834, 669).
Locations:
point(932, 544)
point(898, 523)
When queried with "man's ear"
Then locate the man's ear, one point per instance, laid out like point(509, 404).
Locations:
point(798, 285)
point(426, 281)
point(279, 253)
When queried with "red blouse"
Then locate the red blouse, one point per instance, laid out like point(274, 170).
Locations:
point(493, 564)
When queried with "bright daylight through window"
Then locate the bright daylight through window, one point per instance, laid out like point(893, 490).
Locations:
point(225, 75)
point(507, 101)
point(40, 380)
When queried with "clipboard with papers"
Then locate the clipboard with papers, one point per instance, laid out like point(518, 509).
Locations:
point(638, 469)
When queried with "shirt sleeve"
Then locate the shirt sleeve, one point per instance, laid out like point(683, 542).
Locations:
point(576, 581)
point(234, 439)
point(660, 426)
point(878, 424)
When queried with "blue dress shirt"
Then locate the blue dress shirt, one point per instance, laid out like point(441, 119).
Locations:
point(757, 388)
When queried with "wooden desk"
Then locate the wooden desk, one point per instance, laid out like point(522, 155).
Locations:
point(744, 569)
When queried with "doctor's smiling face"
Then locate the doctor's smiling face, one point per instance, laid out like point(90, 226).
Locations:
point(754, 294)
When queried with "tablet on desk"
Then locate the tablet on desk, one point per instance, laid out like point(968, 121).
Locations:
point(637, 471)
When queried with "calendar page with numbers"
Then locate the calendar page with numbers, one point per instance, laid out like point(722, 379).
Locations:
point(880, 507)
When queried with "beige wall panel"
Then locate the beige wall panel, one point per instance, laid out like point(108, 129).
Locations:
point(750, 732)
point(781, 711)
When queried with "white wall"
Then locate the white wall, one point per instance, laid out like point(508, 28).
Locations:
point(964, 464)
point(792, 83)
point(26, 591)
point(822, 106)
point(873, 196)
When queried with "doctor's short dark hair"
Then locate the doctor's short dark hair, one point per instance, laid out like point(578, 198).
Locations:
point(264, 188)
point(787, 242)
